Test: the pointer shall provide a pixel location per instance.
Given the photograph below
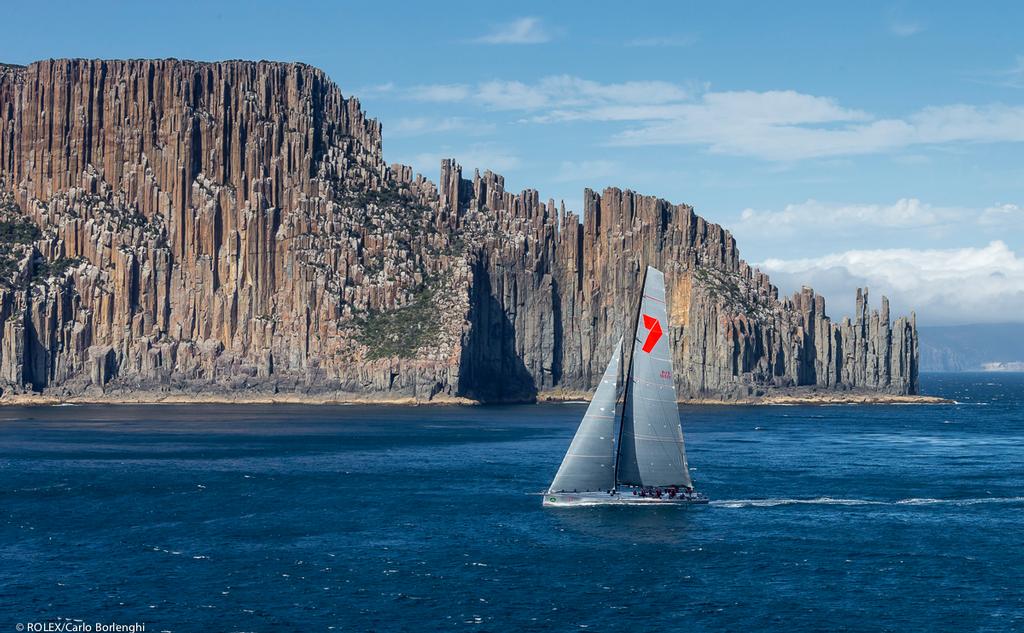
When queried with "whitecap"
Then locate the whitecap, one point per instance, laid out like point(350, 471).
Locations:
point(959, 502)
point(916, 501)
point(771, 503)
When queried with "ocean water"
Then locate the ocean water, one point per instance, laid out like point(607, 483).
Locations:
point(290, 518)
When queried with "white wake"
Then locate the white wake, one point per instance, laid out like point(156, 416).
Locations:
point(830, 501)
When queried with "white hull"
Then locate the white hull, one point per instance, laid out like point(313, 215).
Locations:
point(573, 499)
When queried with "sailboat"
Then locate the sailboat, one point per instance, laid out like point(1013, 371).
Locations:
point(630, 449)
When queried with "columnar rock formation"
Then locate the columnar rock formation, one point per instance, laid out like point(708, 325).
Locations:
point(175, 226)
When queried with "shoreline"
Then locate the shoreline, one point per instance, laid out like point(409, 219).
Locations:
point(148, 398)
point(177, 398)
point(795, 398)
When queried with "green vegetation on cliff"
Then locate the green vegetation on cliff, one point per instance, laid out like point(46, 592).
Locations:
point(402, 331)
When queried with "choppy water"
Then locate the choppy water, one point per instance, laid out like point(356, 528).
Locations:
point(286, 518)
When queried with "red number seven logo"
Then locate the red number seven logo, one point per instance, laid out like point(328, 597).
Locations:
point(654, 326)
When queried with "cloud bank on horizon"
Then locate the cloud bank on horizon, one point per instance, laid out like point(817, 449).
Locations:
point(943, 285)
point(843, 145)
point(947, 284)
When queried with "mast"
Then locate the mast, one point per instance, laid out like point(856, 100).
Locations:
point(629, 377)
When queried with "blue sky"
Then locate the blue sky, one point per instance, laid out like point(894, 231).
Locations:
point(868, 143)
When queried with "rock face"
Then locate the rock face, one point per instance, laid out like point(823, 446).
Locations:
point(171, 225)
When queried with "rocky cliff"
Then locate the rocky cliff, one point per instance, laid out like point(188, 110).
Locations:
point(179, 226)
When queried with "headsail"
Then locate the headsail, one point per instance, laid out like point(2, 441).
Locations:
point(590, 462)
point(651, 451)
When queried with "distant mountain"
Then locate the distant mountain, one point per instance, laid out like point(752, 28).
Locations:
point(981, 346)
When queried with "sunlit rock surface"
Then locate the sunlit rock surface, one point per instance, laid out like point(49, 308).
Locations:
point(174, 226)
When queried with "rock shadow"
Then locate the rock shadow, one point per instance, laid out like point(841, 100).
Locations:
point(490, 369)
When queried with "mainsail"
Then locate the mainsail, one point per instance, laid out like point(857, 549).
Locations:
point(590, 463)
point(651, 449)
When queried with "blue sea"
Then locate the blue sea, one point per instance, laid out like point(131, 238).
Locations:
point(351, 518)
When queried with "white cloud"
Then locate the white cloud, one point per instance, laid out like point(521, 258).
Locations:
point(962, 285)
point(566, 91)
point(788, 126)
point(520, 31)
point(774, 125)
point(812, 217)
point(418, 126)
point(510, 95)
point(731, 122)
point(811, 226)
point(376, 89)
point(586, 171)
point(441, 93)
point(992, 123)
point(554, 92)
point(1003, 216)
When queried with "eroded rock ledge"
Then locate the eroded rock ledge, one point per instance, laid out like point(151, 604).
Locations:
point(172, 226)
